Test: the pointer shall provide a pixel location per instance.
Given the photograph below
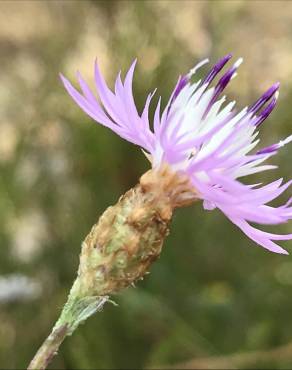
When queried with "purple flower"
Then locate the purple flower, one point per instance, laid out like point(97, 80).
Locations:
point(198, 136)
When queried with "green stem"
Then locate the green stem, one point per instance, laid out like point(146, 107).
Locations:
point(75, 311)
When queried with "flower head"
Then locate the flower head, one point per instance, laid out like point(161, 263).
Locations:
point(198, 137)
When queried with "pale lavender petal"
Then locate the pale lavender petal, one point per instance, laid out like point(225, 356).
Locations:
point(260, 237)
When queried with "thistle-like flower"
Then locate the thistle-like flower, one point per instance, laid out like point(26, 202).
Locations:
point(198, 150)
point(207, 145)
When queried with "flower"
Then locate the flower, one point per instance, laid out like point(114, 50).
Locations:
point(198, 137)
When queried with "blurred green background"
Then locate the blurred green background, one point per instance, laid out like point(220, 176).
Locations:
point(213, 292)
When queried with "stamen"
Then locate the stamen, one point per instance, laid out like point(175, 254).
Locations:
point(196, 67)
point(264, 98)
point(216, 69)
point(267, 111)
point(223, 82)
point(183, 80)
point(275, 147)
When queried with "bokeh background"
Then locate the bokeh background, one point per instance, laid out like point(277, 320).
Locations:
point(213, 293)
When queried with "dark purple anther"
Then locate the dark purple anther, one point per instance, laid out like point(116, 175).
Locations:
point(264, 98)
point(182, 82)
point(266, 112)
point(224, 80)
point(180, 85)
point(269, 149)
point(216, 69)
point(222, 83)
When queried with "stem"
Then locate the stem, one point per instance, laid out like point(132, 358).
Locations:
point(76, 310)
point(49, 348)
